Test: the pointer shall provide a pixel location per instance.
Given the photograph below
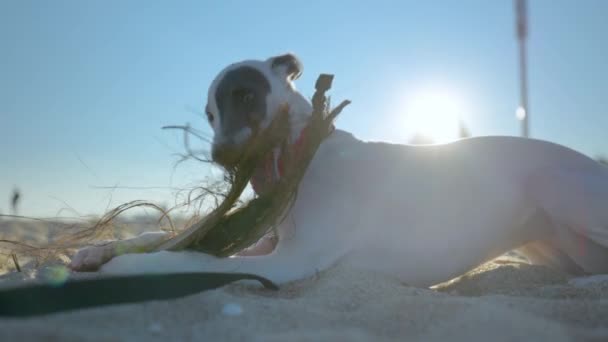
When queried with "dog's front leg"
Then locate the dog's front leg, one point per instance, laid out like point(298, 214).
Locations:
point(281, 266)
point(90, 258)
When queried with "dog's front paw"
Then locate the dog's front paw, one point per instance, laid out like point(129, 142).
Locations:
point(163, 262)
point(91, 258)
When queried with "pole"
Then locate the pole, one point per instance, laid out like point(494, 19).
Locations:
point(522, 33)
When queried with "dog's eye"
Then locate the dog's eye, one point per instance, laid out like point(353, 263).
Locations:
point(209, 117)
point(248, 98)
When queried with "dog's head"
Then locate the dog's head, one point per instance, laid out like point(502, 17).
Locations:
point(245, 96)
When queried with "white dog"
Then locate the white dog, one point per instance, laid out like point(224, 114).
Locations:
point(425, 214)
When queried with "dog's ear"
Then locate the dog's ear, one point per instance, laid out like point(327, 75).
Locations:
point(287, 65)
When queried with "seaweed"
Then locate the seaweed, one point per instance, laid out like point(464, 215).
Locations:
point(224, 232)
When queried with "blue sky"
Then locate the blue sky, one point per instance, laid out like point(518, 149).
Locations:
point(85, 86)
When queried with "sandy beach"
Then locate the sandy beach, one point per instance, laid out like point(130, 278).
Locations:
point(503, 300)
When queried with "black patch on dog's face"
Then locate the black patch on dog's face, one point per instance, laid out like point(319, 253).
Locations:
point(241, 100)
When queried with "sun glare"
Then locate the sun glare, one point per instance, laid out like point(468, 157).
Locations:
point(434, 114)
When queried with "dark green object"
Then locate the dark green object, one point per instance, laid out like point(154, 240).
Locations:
point(41, 299)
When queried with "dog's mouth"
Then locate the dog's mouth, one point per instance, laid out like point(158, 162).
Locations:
point(230, 155)
point(227, 156)
point(253, 142)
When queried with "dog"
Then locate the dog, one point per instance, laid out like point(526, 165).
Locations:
point(422, 213)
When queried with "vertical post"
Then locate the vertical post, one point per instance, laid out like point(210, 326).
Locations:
point(523, 112)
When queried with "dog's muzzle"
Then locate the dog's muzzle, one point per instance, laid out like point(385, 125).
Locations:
point(227, 155)
point(227, 149)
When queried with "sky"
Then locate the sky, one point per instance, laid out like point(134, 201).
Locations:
point(86, 86)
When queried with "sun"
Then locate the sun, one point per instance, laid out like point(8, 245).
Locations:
point(434, 114)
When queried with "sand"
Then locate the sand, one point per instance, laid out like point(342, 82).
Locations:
point(504, 300)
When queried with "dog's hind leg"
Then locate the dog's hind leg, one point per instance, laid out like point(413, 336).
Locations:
point(576, 203)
